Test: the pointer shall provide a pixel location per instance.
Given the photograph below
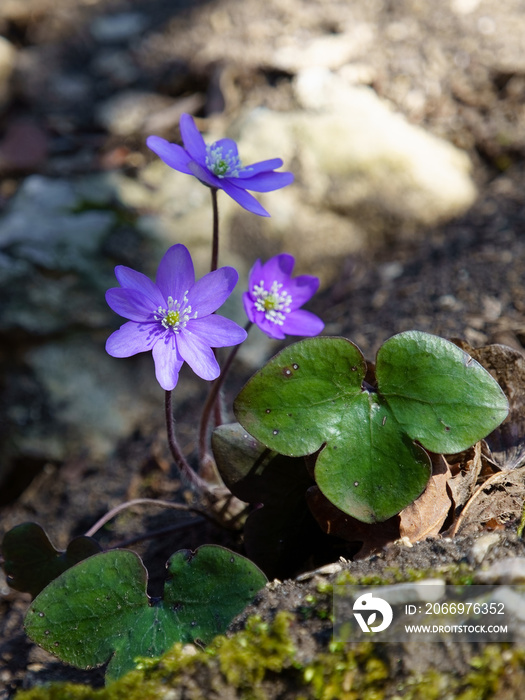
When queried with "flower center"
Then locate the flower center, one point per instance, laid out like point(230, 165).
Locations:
point(177, 315)
point(222, 164)
point(274, 303)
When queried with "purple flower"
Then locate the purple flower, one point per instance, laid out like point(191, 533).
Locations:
point(273, 299)
point(218, 165)
point(173, 316)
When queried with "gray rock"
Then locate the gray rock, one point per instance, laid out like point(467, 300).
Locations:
point(96, 399)
point(110, 29)
point(63, 393)
point(117, 65)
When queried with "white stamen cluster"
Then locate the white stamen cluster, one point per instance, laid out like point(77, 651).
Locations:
point(222, 164)
point(274, 303)
point(177, 315)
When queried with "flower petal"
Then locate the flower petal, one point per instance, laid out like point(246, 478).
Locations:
point(272, 330)
point(278, 269)
point(131, 279)
point(217, 331)
point(193, 141)
point(171, 153)
point(228, 146)
point(132, 338)
point(265, 182)
point(264, 166)
point(302, 322)
point(176, 275)
point(255, 274)
point(204, 175)
point(246, 200)
point(212, 290)
point(198, 355)
point(130, 304)
point(301, 289)
point(167, 361)
point(249, 307)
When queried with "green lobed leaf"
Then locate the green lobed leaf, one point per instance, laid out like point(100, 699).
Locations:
point(311, 396)
point(374, 470)
point(439, 394)
point(99, 609)
point(31, 561)
point(294, 404)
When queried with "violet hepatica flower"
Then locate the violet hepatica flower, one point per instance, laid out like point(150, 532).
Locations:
point(173, 316)
point(218, 165)
point(274, 298)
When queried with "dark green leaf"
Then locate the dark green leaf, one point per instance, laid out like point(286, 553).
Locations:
point(99, 610)
point(31, 561)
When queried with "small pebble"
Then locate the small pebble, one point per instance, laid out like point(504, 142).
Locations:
point(510, 570)
point(426, 591)
point(325, 570)
point(481, 547)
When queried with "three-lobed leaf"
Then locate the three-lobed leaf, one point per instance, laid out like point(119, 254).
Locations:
point(99, 609)
point(312, 396)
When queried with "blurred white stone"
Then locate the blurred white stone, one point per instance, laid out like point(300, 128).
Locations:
point(7, 64)
point(358, 165)
point(509, 570)
point(328, 51)
point(127, 112)
point(355, 160)
point(482, 546)
point(354, 151)
point(464, 7)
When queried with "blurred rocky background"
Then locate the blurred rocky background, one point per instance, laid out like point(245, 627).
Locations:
point(396, 116)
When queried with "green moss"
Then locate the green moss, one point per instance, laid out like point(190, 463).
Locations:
point(324, 587)
point(498, 672)
point(246, 657)
point(244, 665)
point(315, 607)
point(453, 574)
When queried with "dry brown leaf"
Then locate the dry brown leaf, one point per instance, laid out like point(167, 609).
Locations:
point(498, 500)
point(465, 472)
point(426, 515)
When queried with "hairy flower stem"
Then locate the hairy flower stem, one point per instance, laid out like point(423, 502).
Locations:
point(213, 266)
point(215, 236)
point(199, 484)
point(211, 401)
